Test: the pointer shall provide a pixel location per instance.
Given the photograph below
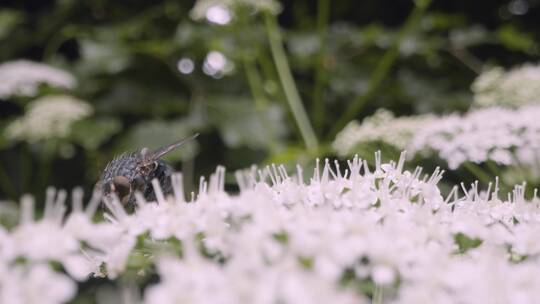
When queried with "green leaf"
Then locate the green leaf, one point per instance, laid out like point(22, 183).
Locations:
point(4, 141)
point(516, 39)
point(465, 242)
point(102, 57)
point(442, 21)
point(9, 19)
point(291, 154)
point(281, 237)
point(241, 124)
point(92, 133)
point(306, 262)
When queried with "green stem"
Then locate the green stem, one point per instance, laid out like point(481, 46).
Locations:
point(320, 77)
point(6, 184)
point(478, 172)
point(377, 295)
point(382, 68)
point(26, 168)
point(49, 152)
point(265, 62)
point(492, 166)
point(267, 69)
point(467, 59)
point(254, 81)
point(288, 84)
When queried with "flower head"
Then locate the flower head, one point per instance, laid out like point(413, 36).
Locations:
point(23, 77)
point(48, 117)
point(504, 136)
point(289, 240)
point(382, 126)
point(514, 88)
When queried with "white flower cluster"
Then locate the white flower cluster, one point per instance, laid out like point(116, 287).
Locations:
point(221, 11)
point(26, 275)
point(291, 241)
point(48, 117)
point(502, 135)
point(23, 77)
point(382, 126)
point(517, 87)
point(506, 136)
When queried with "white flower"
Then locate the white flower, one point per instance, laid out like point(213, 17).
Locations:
point(383, 275)
point(23, 77)
point(200, 281)
point(486, 276)
point(48, 117)
point(25, 275)
point(286, 240)
point(47, 239)
point(517, 87)
point(30, 243)
point(194, 281)
point(35, 284)
point(399, 238)
point(382, 126)
point(504, 136)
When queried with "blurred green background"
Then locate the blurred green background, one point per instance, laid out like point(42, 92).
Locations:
point(262, 81)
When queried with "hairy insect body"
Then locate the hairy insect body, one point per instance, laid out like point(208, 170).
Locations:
point(134, 172)
point(130, 167)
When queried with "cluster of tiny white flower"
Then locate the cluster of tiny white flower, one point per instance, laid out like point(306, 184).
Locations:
point(517, 87)
point(502, 135)
point(289, 241)
point(26, 274)
point(506, 136)
point(23, 77)
point(48, 117)
point(382, 126)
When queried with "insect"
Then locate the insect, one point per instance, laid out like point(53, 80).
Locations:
point(132, 172)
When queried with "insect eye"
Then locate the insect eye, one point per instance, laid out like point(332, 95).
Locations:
point(122, 188)
point(138, 182)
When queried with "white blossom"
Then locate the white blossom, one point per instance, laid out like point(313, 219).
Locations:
point(382, 126)
point(504, 136)
point(25, 253)
point(279, 243)
point(284, 239)
point(48, 117)
point(36, 284)
point(23, 77)
point(516, 87)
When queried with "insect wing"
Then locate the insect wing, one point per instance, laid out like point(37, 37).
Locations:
point(164, 150)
